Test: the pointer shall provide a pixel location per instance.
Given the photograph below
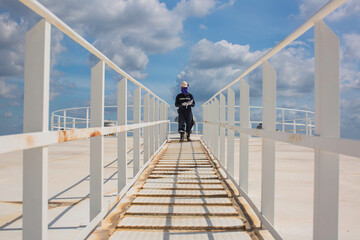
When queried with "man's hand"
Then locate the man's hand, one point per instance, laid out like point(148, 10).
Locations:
point(184, 104)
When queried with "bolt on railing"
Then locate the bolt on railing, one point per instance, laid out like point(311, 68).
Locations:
point(326, 141)
point(36, 137)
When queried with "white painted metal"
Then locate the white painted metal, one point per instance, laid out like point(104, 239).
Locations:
point(268, 145)
point(97, 143)
point(122, 137)
point(216, 128)
point(222, 130)
point(54, 20)
point(146, 129)
point(230, 132)
point(323, 12)
point(136, 133)
point(87, 117)
point(36, 112)
point(64, 116)
point(157, 127)
point(327, 124)
point(152, 128)
point(244, 138)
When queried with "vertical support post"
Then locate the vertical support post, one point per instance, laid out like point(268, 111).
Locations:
point(307, 123)
point(294, 126)
point(36, 115)
point(97, 143)
point(222, 130)
point(268, 145)
point(87, 117)
point(152, 128)
point(283, 119)
point(136, 134)
point(216, 127)
point(167, 118)
point(52, 122)
point(64, 120)
point(244, 138)
point(211, 117)
point(156, 127)
point(327, 106)
point(58, 123)
point(122, 136)
point(146, 130)
point(73, 123)
point(230, 137)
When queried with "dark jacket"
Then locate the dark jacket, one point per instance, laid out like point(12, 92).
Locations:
point(181, 98)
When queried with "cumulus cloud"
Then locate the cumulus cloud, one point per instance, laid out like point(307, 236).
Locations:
point(213, 65)
point(11, 46)
point(9, 90)
point(309, 7)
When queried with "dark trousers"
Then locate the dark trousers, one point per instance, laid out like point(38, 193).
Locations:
point(185, 117)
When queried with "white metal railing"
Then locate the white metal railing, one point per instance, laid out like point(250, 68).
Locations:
point(325, 141)
point(79, 117)
point(37, 137)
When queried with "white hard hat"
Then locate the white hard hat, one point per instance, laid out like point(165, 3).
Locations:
point(184, 84)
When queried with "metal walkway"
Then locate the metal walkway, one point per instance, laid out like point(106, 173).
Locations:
point(183, 196)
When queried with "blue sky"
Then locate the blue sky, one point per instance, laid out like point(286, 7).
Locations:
point(161, 43)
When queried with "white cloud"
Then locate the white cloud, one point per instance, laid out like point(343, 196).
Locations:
point(9, 90)
point(308, 7)
point(194, 8)
point(351, 49)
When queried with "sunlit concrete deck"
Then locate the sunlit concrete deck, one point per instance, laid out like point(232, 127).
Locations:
point(69, 187)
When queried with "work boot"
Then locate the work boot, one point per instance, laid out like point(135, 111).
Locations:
point(188, 137)
point(181, 137)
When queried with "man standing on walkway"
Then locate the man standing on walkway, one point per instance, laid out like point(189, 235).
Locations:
point(184, 102)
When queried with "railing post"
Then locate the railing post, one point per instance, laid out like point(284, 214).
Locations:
point(167, 117)
point(294, 126)
point(58, 123)
point(64, 116)
point(87, 117)
point(268, 145)
point(122, 136)
point(244, 138)
point(146, 130)
point(216, 127)
point(212, 128)
point(136, 133)
point(307, 123)
point(36, 114)
point(152, 128)
point(97, 143)
point(222, 130)
point(156, 127)
point(327, 124)
point(52, 122)
point(230, 132)
point(283, 119)
point(73, 123)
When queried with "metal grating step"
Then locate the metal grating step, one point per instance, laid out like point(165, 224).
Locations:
point(188, 210)
point(181, 223)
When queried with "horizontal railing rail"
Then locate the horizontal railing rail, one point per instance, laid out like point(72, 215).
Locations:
point(324, 137)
